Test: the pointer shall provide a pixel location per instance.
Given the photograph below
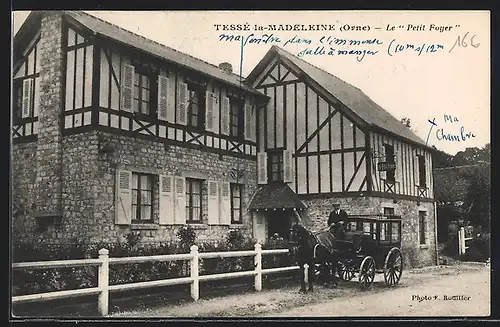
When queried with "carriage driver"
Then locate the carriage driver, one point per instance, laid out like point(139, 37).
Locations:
point(337, 220)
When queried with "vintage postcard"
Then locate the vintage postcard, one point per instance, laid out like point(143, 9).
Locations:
point(250, 164)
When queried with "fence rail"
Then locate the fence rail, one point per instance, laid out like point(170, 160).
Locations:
point(103, 262)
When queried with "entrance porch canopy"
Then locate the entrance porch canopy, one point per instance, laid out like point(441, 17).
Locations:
point(276, 196)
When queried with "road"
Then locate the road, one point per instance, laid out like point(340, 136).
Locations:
point(443, 295)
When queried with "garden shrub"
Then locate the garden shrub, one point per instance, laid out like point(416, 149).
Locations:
point(479, 249)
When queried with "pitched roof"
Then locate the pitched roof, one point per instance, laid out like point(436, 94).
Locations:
point(276, 196)
point(106, 29)
point(351, 96)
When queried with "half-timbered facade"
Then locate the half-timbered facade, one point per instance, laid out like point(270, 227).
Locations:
point(127, 136)
point(323, 141)
point(116, 134)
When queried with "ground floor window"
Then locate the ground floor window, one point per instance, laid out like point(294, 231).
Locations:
point(422, 226)
point(384, 227)
point(142, 197)
point(193, 200)
point(236, 197)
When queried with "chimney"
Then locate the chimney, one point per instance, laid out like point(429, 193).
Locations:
point(49, 144)
point(227, 67)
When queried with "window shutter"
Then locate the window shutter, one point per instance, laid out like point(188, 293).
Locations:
point(287, 166)
point(248, 122)
point(416, 179)
point(162, 97)
point(211, 103)
point(180, 200)
point(213, 203)
point(399, 166)
point(182, 103)
point(171, 99)
point(36, 100)
point(167, 200)
point(225, 203)
point(253, 124)
point(224, 128)
point(262, 168)
point(127, 87)
point(123, 203)
point(27, 92)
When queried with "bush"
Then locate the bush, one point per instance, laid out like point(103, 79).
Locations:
point(276, 260)
point(479, 249)
point(48, 280)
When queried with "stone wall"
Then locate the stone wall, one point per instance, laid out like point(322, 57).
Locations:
point(415, 255)
point(88, 188)
point(154, 157)
point(23, 191)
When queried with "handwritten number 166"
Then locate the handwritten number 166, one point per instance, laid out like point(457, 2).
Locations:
point(462, 41)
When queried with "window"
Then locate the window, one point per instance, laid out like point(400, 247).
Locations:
point(236, 117)
point(17, 99)
point(388, 212)
point(384, 227)
point(196, 105)
point(422, 226)
point(142, 197)
point(275, 166)
point(193, 200)
point(421, 171)
point(236, 196)
point(389, 158)
point(142, 92)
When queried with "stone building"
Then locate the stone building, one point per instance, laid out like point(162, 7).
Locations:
point(116, 134)
point(338, 146)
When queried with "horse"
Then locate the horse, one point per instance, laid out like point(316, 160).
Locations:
point(308, 248)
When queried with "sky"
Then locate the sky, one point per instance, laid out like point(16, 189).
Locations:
point(450, 81)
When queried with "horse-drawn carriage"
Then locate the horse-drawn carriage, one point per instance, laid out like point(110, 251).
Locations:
point(372, 244)
point(382, 254)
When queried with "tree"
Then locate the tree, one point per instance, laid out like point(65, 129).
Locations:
point(478, 198)
point(472, 156)
point(441, 159)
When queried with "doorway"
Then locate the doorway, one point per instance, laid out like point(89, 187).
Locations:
point(279, 222)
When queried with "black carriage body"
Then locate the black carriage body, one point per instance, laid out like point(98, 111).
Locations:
point(384, 231)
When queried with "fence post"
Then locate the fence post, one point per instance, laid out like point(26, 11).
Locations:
point(258, 267)
point(103, 282)
point(462, 240)
point(195, 285)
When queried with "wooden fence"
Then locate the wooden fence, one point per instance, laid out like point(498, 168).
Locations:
point(462, 241)
point(103, 288)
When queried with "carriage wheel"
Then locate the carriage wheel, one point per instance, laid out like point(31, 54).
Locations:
point(367, 272)
point(346, 271)
point(393, 267)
